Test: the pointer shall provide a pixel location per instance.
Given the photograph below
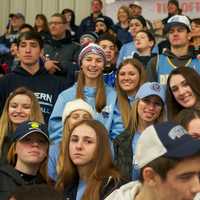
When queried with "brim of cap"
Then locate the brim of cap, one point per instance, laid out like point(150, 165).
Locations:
point(34, 131)
point(172, 24)
point(139, 6)
point(152, 94)
point(189, 148)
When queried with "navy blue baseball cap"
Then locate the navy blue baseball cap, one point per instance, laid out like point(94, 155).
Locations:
point(166, 139)
point(29, 127)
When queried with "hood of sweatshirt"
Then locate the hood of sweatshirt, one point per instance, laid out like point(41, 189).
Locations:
point(13, 174)
point(127, 191)
point(23, 72)
point(173, 56)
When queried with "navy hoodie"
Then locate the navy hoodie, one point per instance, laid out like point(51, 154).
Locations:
point(46, 87)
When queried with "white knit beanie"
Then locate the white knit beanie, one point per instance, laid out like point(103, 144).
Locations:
point(77, 104)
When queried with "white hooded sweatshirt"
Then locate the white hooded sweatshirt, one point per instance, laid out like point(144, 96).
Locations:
point(125, 192)
point(129, 192)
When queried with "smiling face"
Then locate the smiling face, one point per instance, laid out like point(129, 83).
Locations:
point(149, 109)
point(181, 183)
point(129, 78)
point(82, 145)
point(182, 92)
point(19, 109)
point(92, 66)
point(31, 150)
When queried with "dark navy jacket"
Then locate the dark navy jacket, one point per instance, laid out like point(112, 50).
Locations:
point(46, 87)
point(11, 179)
point(88, 23)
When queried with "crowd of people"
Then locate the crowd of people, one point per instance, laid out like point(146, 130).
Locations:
point(101, 110)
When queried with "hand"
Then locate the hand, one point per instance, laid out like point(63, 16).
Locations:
point(52, 66)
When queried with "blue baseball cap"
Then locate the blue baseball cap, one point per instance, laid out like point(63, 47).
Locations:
point(167, 139)
point(28, 127)
point(149, 89)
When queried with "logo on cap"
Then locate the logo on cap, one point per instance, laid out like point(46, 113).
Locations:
point(34, 125)
point(155, 87)
point(177, 132)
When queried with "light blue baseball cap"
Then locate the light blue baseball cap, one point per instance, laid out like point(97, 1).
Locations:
point(149, 89)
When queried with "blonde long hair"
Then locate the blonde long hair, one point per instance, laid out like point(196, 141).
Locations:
point(123, 103)
point(60, 163)
point(6, 125)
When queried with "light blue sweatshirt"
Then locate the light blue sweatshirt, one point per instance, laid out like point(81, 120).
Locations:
point(54, 151)
point(127, 51)
point(109, 116)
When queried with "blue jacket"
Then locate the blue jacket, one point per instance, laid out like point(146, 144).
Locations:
point(54, 151)
point(165, 66)
point(88, 23)
point(123, 35)
point(109, 117)
point(126, 51)
point(109, 78)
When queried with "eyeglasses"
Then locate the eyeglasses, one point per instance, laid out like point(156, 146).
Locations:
point(55, 23)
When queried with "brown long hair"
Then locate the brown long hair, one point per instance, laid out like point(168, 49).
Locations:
point(100, 93)
point(6, 125)
point(192, 79)
point(124, 105)
point(66, 131)
point(101, 168)
point(45, 22)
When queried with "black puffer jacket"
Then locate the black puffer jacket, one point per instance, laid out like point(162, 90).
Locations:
point(66, 53)
point(10, 179)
